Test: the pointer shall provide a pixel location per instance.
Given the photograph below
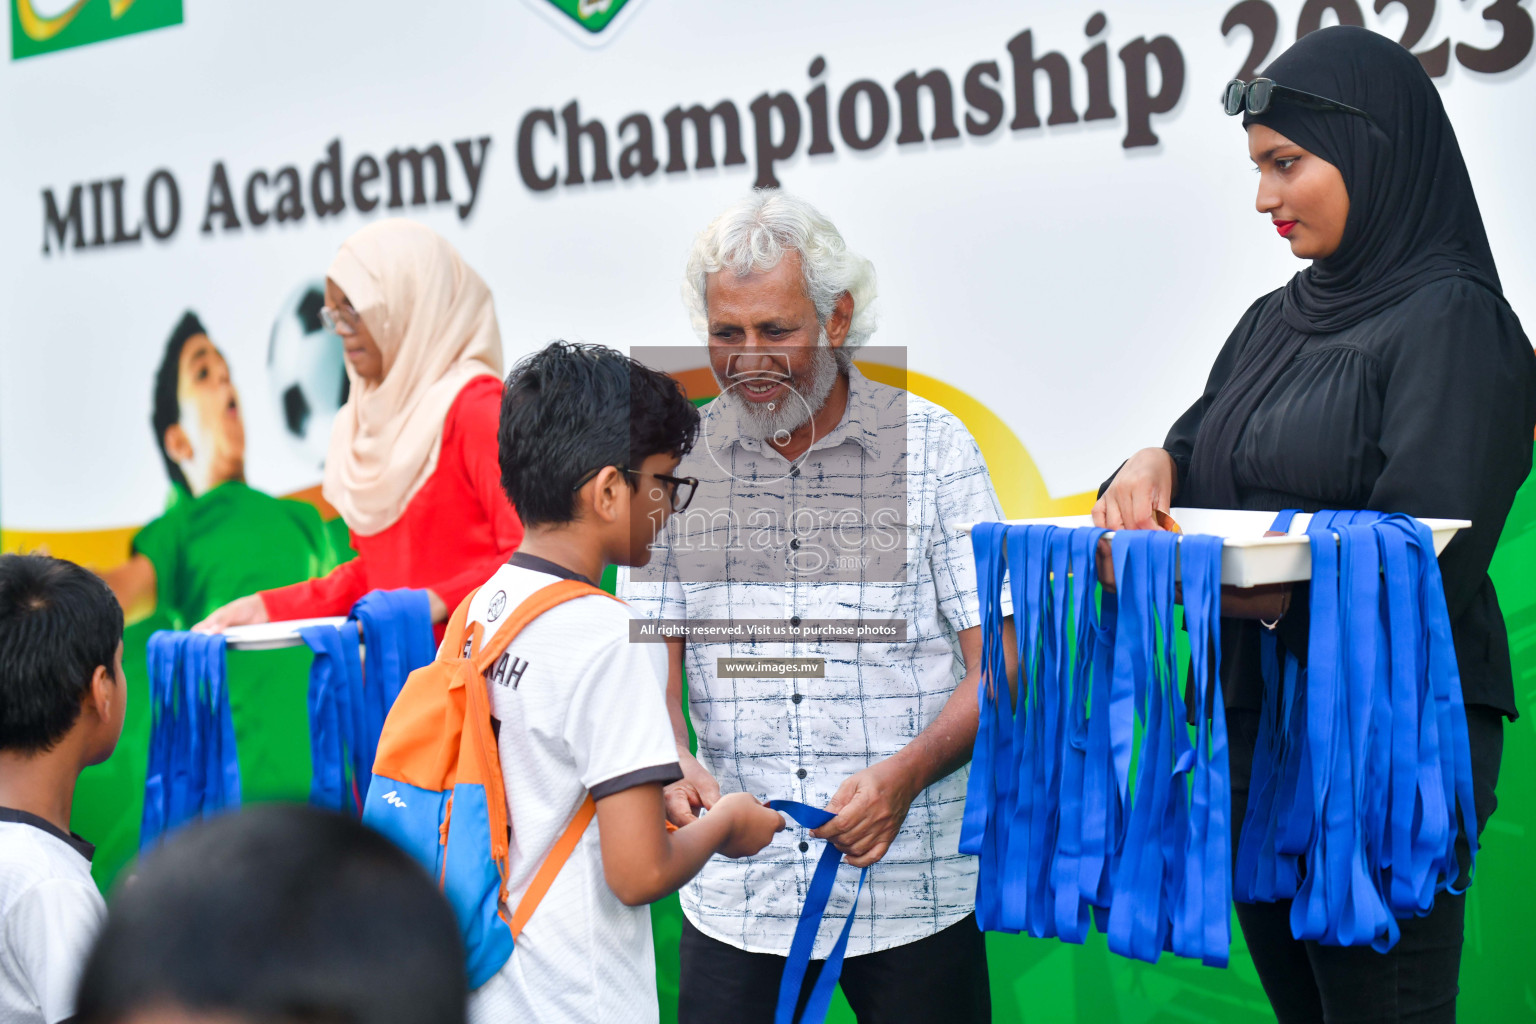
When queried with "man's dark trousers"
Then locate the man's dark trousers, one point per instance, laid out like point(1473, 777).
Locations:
point(938, 980)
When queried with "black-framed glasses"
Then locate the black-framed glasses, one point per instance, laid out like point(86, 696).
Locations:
point(1257, 96)
point(682, 487)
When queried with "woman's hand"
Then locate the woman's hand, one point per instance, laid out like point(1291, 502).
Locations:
point(438, 609)
point(1146, 482)
point(246, 611)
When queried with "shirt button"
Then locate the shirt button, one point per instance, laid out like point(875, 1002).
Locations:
point(797, 698)
point(801, 773)
point(794, 620)
point(804, 846)
point(795, 471)
point(795, 544)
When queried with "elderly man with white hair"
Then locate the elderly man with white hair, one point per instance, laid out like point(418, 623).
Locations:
point(824, 528)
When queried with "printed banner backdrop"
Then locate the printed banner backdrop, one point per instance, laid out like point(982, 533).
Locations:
point(1061, 217)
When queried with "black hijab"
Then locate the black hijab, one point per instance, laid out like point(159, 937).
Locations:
point(1413, 219)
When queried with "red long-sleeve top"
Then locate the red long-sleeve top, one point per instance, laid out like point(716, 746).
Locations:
point(456, 531)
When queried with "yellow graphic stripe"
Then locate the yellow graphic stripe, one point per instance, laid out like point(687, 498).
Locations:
point(1019, 485)
point(98, 549)
point(43, 29)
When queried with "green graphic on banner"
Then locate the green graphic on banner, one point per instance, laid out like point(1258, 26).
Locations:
point(43, 26)
point(592, 15)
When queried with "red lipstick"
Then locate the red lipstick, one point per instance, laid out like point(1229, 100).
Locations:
point(1285, 227)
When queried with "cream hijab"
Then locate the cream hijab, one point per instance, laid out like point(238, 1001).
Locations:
point(435, 325)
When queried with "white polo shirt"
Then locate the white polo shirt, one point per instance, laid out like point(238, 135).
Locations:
point(582, 710)
point(50, 911)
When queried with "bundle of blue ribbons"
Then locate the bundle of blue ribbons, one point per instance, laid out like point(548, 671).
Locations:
point(1362, 774)
point(192, 771)
point(1064, 838)
point(1089, 802)
point(350, 694)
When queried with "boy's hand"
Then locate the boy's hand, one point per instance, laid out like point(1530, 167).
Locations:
point(870, 806)
point(752, 824)
point(697, 791)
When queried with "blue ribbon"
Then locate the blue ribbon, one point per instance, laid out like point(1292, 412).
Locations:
point(335, 692)
point(193, 770)
point(811, 915)
point(1362, 774)
point(350, 695)
point(397, 634)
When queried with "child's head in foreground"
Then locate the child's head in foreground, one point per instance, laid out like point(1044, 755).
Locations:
point(276, 915)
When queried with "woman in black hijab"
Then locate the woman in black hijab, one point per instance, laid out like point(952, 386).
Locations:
point(1389, 375)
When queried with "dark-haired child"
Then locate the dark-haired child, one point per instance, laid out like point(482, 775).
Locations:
point(589, 442)
point(62, 697)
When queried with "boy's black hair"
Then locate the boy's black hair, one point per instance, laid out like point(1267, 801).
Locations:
point(58, 623)
point(570, 410)
point(167, 407)
point(279, 913)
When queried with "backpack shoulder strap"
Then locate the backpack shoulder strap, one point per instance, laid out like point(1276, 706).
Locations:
point(453, 635)
point(536, 604)
point(558, 855)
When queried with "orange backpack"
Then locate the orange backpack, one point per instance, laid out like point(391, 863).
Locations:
point(437, 788)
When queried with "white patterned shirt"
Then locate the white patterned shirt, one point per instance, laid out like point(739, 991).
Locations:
point(801, 738)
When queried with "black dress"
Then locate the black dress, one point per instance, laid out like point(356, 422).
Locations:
point(1427, 408)
point(1389, 375)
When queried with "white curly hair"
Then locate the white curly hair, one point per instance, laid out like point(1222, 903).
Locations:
point(754, 233)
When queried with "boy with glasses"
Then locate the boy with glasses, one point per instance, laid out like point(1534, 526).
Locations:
point(590, 440)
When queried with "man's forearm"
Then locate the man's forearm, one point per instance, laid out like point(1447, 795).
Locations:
point(675, 710)
point(946, 744)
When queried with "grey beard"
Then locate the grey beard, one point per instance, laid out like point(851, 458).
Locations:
point(792, 414)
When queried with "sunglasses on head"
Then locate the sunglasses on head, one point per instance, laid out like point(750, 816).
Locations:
point(1257, 96)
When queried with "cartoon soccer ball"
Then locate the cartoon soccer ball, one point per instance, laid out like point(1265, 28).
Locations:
point(306, 369)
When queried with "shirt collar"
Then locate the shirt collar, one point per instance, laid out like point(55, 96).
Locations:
point(79, 845)
point(859, 424)
point(523, 560)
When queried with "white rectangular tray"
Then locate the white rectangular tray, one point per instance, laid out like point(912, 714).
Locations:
point(271, 636)
point(1248, 558)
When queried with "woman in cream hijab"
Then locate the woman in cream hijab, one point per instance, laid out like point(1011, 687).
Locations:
point(412, 466)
